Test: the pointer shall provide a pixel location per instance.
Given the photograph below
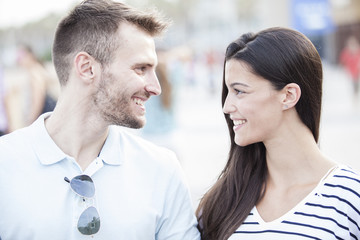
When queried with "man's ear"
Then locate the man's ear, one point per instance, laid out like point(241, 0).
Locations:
point(291, 95)
point(86, 67)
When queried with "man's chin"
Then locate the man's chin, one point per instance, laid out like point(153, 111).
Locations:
point(133, 124)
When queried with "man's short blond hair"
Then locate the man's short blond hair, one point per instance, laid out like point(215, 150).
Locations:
point(92, 26)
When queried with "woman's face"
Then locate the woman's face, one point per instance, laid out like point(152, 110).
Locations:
point(253, 104)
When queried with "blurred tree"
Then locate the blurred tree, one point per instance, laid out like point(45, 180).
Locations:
point(38, 34)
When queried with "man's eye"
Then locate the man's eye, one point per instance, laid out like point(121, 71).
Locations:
point(140, 70)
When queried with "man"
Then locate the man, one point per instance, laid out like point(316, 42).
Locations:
point(72, 174)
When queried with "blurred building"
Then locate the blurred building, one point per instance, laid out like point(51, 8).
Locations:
point(204, 24)
point(328, 23)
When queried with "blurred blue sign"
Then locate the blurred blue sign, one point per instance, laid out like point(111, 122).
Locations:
point(312, 16)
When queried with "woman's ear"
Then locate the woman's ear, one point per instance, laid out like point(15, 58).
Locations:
point(85, 67)
point(291, 93)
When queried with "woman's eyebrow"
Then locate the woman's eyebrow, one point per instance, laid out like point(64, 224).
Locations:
point(238, 83)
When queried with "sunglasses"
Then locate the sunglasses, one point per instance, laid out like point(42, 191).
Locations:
point(89, 220)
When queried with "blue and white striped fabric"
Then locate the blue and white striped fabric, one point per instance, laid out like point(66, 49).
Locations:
point(330, 211)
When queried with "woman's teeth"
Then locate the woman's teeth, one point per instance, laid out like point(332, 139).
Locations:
point(239, 122)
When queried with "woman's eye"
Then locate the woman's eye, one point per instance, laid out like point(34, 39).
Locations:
point(238, 92)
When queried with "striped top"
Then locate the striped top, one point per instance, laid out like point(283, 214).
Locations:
point(330, 211)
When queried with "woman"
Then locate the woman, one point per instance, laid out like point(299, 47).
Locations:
point(38, 82)
point(350, 60)
point(276, 183)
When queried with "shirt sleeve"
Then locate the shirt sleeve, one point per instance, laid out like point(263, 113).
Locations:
point(178, 220)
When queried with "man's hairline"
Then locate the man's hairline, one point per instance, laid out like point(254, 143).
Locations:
point(117, 36)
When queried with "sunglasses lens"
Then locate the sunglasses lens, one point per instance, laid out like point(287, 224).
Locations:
point(83, 185)
point(89, 221)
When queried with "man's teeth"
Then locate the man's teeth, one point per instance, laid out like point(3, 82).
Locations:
point(138, 101)
point(239, 122)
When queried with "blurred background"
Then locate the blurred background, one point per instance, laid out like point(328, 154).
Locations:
point(187, 117)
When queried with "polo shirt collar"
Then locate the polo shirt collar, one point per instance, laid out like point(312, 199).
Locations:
point(112, 153)
point(49, 153)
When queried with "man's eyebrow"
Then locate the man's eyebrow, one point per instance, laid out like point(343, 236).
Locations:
point(144, 64)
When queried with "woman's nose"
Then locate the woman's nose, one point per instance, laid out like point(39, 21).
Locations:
point(228, 106)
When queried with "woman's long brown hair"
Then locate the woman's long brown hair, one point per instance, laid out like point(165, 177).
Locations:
point(281, 56)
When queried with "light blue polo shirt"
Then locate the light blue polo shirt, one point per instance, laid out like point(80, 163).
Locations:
point(140, 191)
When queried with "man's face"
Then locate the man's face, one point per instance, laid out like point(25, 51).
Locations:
point(129, 80)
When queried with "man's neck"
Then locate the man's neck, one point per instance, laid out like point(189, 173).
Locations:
point(78, 135)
